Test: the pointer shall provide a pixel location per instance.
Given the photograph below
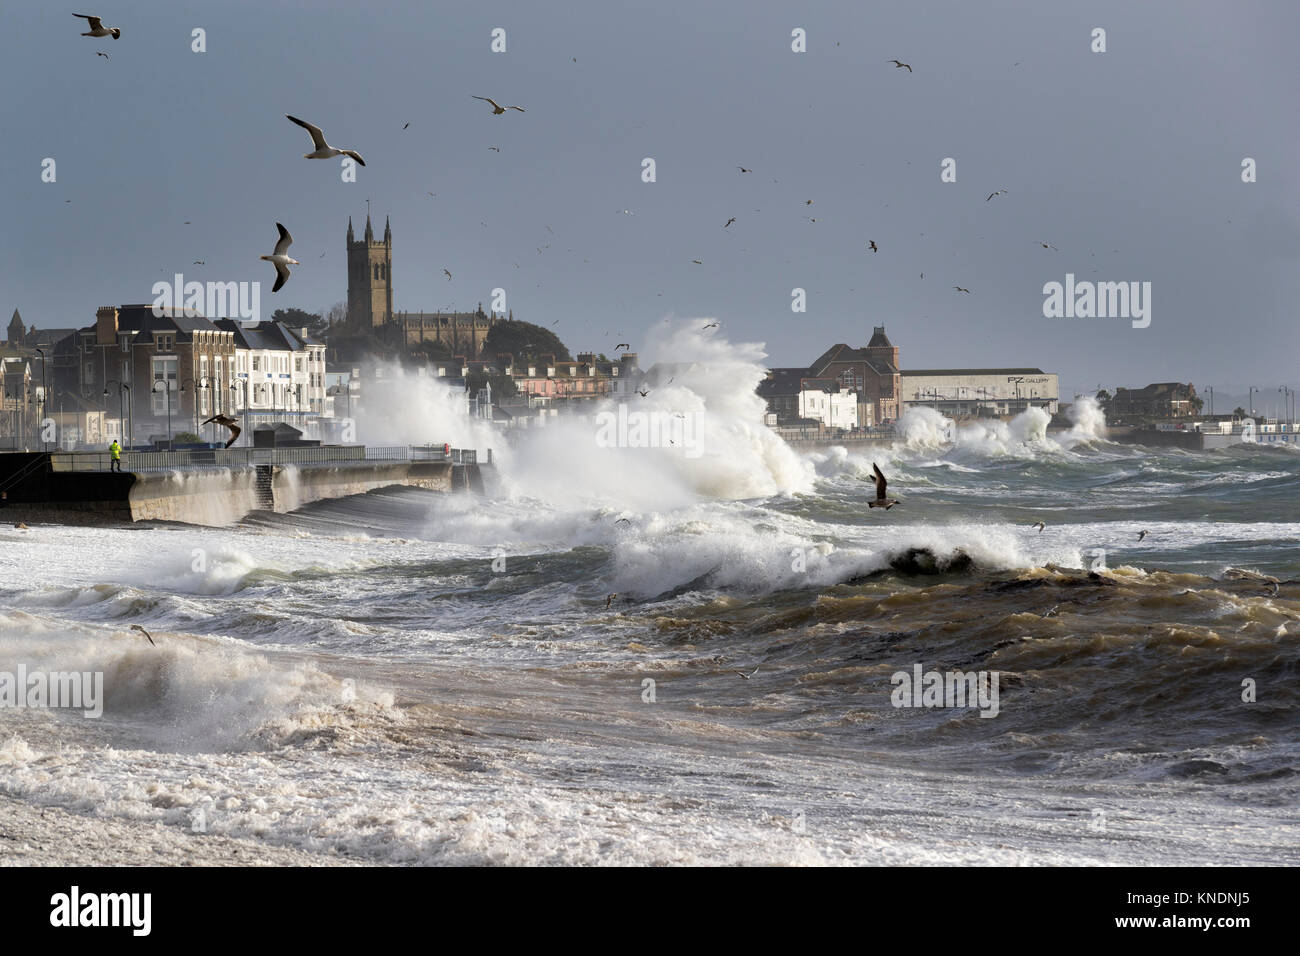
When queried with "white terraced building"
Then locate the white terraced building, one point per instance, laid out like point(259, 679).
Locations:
point(968, 392)
point(279, 375)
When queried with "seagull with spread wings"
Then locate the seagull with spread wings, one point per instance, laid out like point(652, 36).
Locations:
point(280, 258)
point(137, 627)
point(97, 28)
point(497, 109)
point(882, 500)
point(229, 423)
point(323, 149)
point(899, 64)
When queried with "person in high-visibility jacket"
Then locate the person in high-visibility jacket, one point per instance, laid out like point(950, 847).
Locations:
point(116, 451)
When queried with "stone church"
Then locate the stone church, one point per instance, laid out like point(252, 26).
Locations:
point(370, 303)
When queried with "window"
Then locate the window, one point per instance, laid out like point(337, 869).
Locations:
point(256, 362)
point(297, 364)
point(164, 370)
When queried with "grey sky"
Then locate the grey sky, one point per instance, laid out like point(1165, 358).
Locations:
point(1132, 155)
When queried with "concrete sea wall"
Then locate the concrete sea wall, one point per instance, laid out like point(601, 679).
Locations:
point(219, 496)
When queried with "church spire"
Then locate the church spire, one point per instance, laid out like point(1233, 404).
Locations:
point(351, 238)
point(370, 233)
point(388, 233)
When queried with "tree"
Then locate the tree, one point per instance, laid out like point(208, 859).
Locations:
point(337, 314)
point(297, 318)
point(1239, 412)
point(523, 339)
point(1197, 403)
point(502, 385)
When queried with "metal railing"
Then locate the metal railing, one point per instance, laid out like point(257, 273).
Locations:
point(242, 457)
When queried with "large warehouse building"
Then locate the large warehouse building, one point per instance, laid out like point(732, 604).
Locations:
point(968, 392)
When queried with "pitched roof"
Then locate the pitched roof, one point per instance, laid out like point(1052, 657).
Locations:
point(842, 353)
point(263, 336)
point(879, 340)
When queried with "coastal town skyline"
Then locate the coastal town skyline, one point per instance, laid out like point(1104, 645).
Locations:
point(476, 194)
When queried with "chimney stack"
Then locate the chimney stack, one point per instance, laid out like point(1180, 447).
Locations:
point(106, 325)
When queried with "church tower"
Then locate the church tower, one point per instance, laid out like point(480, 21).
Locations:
point(17, 332)
point(370, 287)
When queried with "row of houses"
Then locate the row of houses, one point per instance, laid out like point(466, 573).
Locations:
point(140, 374)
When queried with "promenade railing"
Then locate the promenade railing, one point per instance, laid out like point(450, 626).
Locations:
point(242, 457)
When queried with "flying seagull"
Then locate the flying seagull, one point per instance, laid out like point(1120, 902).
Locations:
point(137, 627)
point(497, 110)
point(97, 28)
point(447, 274)
point(728, 222)
point(960, 289)
point(323, 149)
point(643, 394)
point(623, 521)
point(103, 54)
point(228, 423)
point(1000, 192)
point(882, 501)
point(899, 64)
point(199, 262)
point(872, 244)
point(1040, 526)
point(404, 125)
point(711, 325)
point(744, 170)
point(622, 345)
point(744, 675)
point(497, 148)
point(698, 262)
point(1046, 245)
point(280, 258)
point(808, 202)
point(1142, 534)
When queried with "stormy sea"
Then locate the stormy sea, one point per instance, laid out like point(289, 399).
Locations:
point(640, 655)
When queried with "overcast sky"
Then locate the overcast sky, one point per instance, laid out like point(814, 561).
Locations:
point(1128, 161)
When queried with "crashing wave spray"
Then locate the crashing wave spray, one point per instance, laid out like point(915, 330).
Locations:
point(570, 459)
point(702, 377)
point(400, 407)
point(1089, 423)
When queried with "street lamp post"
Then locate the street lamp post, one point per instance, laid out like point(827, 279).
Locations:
point(122, 388)
point(44, 391)
point(202, 382)
point(1250, 400)
point(1287, 403)
point(167, 391)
